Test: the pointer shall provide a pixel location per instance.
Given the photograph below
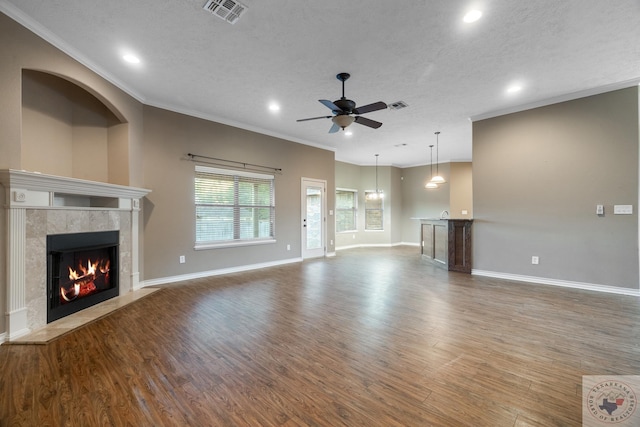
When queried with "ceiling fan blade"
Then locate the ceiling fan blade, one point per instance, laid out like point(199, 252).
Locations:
point(314, 118)
point(370, 107)
point(368, 122)
point(330, 105)
point(335, 128)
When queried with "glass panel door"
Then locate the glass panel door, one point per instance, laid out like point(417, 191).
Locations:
point(313, 221)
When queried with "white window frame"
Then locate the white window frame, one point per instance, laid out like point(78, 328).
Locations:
point(237, 176)
point(367, 209)
point(354, 210)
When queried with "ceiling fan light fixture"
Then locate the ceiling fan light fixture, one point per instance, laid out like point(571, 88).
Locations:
point(343, 120)
point(345, 112)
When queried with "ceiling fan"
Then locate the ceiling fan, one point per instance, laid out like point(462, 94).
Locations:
point(345, 112)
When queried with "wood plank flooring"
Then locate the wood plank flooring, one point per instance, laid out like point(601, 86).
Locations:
point(372, 337)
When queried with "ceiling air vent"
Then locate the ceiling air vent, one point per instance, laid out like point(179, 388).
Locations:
point(397, 105)
point(229, 10)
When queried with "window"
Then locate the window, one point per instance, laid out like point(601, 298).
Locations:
point(373, 209)
point(233, 207)
point(346, 210)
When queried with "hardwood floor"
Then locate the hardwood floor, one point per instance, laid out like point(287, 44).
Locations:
point(372, 337)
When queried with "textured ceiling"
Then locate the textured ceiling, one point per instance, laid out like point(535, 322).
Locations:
point(289, 51)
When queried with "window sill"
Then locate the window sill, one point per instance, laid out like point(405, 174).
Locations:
point(240, 243)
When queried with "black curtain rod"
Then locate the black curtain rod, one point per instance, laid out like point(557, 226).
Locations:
point(244, 165)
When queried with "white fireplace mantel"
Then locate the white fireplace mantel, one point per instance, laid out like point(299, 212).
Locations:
point(34, 190)
point(57, 197)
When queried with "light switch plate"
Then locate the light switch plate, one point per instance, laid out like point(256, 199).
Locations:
point(623, 209)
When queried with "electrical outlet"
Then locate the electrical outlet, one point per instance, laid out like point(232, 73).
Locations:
point(183, 259)
point(622, 209)
point(599, 209)
point(535, 260)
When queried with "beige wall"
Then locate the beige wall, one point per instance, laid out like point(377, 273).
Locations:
point(47, 127)
point(419, 202)
point(395, 204)
point(169, 228)
point(348, 177)
point(537, 178)
point(406, 199)
point(22, 50)
point(362, 179)
point(65, 130)
point(461, 190)
point(144, 146)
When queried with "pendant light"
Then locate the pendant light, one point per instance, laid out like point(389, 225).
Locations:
point(378, 193)
point(431, 184)
point(437, 179)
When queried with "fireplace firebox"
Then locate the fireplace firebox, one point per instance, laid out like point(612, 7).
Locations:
point(82, 270)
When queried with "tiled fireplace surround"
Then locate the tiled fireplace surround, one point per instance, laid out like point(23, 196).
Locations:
point(37, 205)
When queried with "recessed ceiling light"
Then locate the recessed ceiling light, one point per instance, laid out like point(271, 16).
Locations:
point(132, 59)
point(348, 133)
point(274, 107)
point(472, 16)
point(514, 88)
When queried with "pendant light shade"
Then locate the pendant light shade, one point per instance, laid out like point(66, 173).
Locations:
point(431, 184)
point(437, 179)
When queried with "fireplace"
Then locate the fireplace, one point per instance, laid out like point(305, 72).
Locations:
point(38, 205)
point(82, 270)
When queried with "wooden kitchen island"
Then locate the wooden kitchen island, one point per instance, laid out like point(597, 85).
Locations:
point(447, 242)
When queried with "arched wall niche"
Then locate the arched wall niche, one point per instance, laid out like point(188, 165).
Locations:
point(68, 130)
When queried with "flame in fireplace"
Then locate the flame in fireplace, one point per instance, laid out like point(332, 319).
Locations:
point(70, 294)
point(91, 269)
point(82, 281)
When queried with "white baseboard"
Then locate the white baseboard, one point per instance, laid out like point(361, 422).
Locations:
point(417, 245)
point(557, 282)
point(210, 273)
point(3, 337)
point(374, 245)
point(342, 248)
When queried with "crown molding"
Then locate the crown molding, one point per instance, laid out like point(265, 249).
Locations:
point(556, 99)
point(35, 27)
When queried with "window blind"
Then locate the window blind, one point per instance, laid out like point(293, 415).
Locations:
point(233, 205)
point(346, 209)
